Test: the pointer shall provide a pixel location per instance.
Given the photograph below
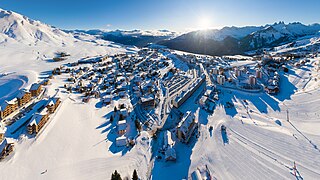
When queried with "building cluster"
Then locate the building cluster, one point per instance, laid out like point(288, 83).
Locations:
point(187, 126)
point(168, 147)
point(39, 119)
point(6, 147)
point(185, 94)
point(8, 107)
point(209, 98)
point(178, 81)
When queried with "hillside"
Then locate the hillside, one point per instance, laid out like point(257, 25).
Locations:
point(124, 108)
point(240, 40)
point(138, 38)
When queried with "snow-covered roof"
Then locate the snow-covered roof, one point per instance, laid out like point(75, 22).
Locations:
point(167, 140)
point(122, 125)
point(121, 141)
point(21, 93)
point(186, 121)
point(37, 117)
point(34, 86)
point(52, 101)
point(147, 98)
point(4, 105)
point(12, 101)
point(170, 153)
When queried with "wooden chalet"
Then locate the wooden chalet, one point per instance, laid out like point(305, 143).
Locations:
point(23, 97)
point(38, 121)
point(35, 89)
point(8, 107)
point(5, 148)
point(52, 105)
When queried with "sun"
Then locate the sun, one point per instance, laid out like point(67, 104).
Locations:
point(204, 23)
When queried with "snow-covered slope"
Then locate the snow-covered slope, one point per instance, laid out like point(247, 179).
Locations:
point(139, 38)
point(135, 32)
point(28, 46)
point(281, 32)
point(221, 34)
point(28, 31)
point(307, 43)
point(237, 40)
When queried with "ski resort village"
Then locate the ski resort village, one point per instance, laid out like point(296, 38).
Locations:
point(75, 106)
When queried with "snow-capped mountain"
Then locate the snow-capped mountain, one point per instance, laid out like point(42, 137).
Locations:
point(234, 40)
point(16, 27)
point(279, 33)
point(221, 34)
point(25, 41)
point(135, 32)
point(132, 37)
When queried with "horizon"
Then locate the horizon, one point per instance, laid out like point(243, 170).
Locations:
point(165, 15)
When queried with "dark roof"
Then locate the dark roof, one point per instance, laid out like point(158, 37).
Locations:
point(35, 86)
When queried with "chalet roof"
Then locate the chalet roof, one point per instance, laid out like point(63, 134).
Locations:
point(147, 98)
point(4, 105)
point(35, 86)
point(122, 125)
point(121, 141)
point(167, 138)
point(12, 101)
point(170, 153)
point(52, 101)
point(37, 117)
point(21, 93)
point(186, 122)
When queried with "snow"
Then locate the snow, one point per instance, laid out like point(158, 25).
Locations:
point(79, 141)
point(221, 34)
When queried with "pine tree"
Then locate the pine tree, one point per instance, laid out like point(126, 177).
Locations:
point(115, 176)
point(135, 175)
point(115, 109)
point(111, 119)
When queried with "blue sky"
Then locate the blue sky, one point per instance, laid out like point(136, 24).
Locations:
point(177, 15)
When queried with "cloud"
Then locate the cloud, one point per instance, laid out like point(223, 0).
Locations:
point(109, 25)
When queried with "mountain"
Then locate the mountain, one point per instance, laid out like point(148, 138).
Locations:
point(26, 41)
point(235, 40)
point(14, 26)
point(134, 37)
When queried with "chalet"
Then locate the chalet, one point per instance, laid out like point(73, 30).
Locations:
point(5, 148)
point(169, 152)
point(45, 82)
point(167, 139)
point(203, 101)
point(124, 113)
point(148, 101)
point(8, 107)
point(35, 89)
point(184, 95)
point(107, 99)
point(121, 141)
point(187, 126)
point(122, 127)
point(38, 121)
point(52, 105)
point(122, 94)
point(23, 97)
